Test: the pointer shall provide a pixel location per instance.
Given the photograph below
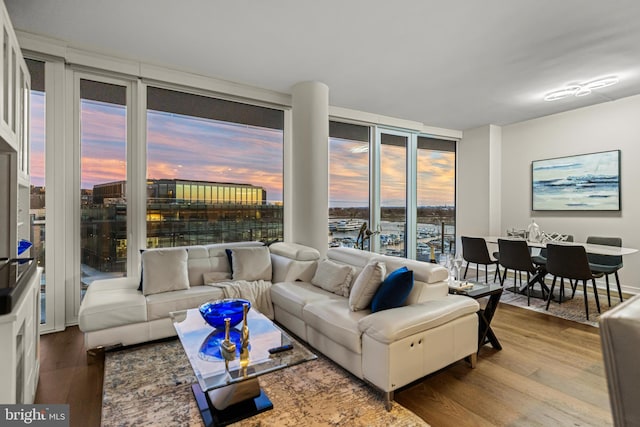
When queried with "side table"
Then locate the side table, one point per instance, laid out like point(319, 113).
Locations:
point(494, 292)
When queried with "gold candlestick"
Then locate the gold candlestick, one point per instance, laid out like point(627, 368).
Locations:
point(227, 347)
point(245, 327)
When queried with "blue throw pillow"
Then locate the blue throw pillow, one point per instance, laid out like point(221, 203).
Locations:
point(393, 291)
point(229, 253)
point(141, 271)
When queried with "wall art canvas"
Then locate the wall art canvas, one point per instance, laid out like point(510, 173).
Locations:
point(584, 182)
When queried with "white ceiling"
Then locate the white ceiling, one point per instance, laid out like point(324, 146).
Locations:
point(450, 63)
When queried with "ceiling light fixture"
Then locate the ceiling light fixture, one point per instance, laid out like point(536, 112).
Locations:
point(581, 89)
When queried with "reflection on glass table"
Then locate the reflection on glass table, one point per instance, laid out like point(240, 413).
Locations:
point(228, 390)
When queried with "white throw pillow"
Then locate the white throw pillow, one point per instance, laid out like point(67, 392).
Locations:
point(333, 277)
point(366, 285)
point(251, 263)
point(164, 271)
point(216, 276)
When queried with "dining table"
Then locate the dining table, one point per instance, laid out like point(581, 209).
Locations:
point(589, 247)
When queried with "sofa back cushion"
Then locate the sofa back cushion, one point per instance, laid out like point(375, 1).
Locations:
point(197, 264)
point(423, 271)
point(294, 251)
point(351, 256)
point(164, 270)
point(333, 277)
point(251, 263)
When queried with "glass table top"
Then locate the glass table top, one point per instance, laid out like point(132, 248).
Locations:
point(201, 344)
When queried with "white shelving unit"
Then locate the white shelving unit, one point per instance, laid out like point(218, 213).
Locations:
point(19, 335)
point(14, 140)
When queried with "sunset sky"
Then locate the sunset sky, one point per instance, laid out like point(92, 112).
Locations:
point(201, 149)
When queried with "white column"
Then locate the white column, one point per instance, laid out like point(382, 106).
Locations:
point(310, 165)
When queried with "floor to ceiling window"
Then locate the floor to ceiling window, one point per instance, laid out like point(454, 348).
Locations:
point(436, 184)
point(214, 170)
point(348, 183)
point(393, 193)
point(103, 180)
point(37, 206)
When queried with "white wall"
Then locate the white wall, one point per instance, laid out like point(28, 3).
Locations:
point(608, 126)
point(478, 191)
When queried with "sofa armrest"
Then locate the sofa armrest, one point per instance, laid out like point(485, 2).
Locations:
point(391, 325)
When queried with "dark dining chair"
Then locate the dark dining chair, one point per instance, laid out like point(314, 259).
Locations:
point(541, 258)
point(515, 255)
point(474, 251)
point(571, 262)
point(606, 264)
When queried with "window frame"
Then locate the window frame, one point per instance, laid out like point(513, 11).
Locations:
point(73, 179)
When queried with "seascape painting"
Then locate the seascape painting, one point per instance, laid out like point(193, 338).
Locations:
point(585, 182)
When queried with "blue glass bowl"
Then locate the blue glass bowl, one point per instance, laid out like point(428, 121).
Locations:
point(214, 312)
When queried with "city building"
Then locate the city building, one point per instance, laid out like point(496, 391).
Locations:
point(179, 213)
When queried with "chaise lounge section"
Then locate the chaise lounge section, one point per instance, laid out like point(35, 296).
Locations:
point(389, 348)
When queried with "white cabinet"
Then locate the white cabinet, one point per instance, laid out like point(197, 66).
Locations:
point(15, 84)
point(20, 350)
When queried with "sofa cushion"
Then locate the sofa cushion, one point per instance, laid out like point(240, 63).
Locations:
point(104, 308)
point(215, 277)
point(251, 263)
point(393, 291)
point(293, 296)
point(333, 277)
point(160, 305)
point(164, 270)
point(334, 320)
point(366, 285)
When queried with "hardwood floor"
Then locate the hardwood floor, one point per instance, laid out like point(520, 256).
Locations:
point(67, 375)
point(550, 372)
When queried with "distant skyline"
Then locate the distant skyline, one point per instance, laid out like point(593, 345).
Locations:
point(192, 148)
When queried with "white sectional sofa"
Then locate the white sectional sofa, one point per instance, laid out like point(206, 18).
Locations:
point(117, 312)
point(388, 348)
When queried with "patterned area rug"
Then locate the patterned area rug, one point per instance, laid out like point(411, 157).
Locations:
point(571, 309)
point(150, 385)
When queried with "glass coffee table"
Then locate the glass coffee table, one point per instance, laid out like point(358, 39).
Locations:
point(228, 390)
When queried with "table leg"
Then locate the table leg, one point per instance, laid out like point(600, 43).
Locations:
point(486, 334)
point(539, 278)
point(213, 417)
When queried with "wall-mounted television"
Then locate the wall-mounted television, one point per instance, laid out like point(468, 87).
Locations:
point(584, 182)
